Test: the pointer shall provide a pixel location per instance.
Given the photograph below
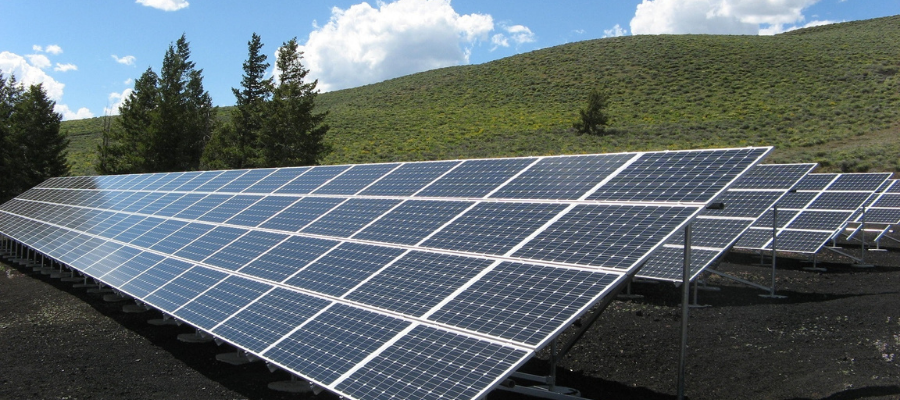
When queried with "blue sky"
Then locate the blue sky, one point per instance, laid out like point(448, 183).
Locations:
point(87, 53)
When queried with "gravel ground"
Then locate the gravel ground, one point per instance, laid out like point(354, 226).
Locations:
point(836, 336)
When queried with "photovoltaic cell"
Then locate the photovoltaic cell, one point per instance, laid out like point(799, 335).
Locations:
point(184, 288)
point(244, 249)
point(355, 179)
point(343, 268)
point(418, 281)
point(493, 228)
point(412, 221)
point(221, 300)
point(864, 182)
point(475, 178)
point(311, 180)
point(260, 211)
point(411, 359)
point(301, 213)
point(523, 302)
point(815, 182)
point(772, 176)
point(409, 178)
point(287, 258)
point(275, 180)
point(815, 220)
point(210, 242)
point(349, 217)
point(229, 208)
point(244, 181)
point(334, 341)
point(563, 178)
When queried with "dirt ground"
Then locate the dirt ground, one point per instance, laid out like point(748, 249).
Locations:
point(836, 336)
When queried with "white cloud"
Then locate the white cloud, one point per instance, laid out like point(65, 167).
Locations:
point(616, 31)
point(115, 101)
point(779, 28)
point(129, 81)
point(165, 5)
point(68, 114)
point(39, 61)
point(65, 67)
point(362, 44)
point(53, 49)
point(37, 48)
point(715, 16)
point(29, 74)
point(127, 60)
point(518, 34)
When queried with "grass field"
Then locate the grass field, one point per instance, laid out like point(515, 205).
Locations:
point(828, 94)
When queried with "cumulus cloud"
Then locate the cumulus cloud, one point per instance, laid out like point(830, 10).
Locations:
point(39, 61)
point(518, 34)
point(779, 28)
point(362, 44)
point(616, 31)
point(127, 60)
point(28, 74)
point(53, 49)
point(744, 17)
point(115, 101)
point(165, 5)
point(68, 114)
point(65, 67)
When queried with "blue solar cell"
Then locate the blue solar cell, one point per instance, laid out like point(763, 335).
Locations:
point(839, 201)
point(312, 179)
point(522, 302)
point(815, 181)
point(250, 178)
point(221, 301)
point(179, 205)
point(493, 228)
point(745, 204)
point(202, 206)
point(71, 255)
point(116, 224)
point(766, 220)
point(883, 216)
point(261, 211)
point(269, 319)
point(864, 182)
point(162, 180)
point(754, 239)
point(438, 364)
point(475, 178)
point(773, 176)
point(180, 238)
point(197, 181)
point(562, 178)
point(668, 263)
point(154, 277)
point(418, 281)
point(136, 229)
point(229, 208)
point(113, 259)
point(134, 267)
point(605, 235)
point(183, 288)
point(409, 178)
point(349, 217)
point(144, 201)
point(245, 249)
point(160, 203)
point(343, 268)
point(287, 258)
point(87, 259)
point(715, 233)
point(301, 213)
point(820, 220)
point(334, 341)
point(796, 200)
point(210, 242)
point(412, 221)
point(275, 180)
point(683, 176)
point(159, 232)
point(888, 200)
point(355, 179)
point(220, 180)
point(801, 241)
point(180, 178)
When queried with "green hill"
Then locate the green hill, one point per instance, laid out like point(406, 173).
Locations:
point(828, 94)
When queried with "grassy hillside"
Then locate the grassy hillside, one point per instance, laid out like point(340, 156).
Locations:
point(828, 94)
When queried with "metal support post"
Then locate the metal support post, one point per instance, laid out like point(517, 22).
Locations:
point(772, 294)
point(685, 310)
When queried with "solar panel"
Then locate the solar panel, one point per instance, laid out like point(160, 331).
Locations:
point(715, 231)
point(808, 218)
point(440, 277)
point(882, 207)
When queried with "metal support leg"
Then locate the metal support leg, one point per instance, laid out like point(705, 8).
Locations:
point(685, 310)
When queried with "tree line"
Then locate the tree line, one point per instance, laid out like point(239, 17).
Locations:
point(167, 123)
point(32, 148)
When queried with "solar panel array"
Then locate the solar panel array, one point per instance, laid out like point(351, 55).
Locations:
point(716, 230)
point(402, 280)
point(819, 208)
point(884, 206)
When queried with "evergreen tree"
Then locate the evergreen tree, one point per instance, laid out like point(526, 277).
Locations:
point(40, 148)
point(125, 149)
point(594, 119)
point(185, 117)
point(235, 145)
point(10, 92)
point(293, 133)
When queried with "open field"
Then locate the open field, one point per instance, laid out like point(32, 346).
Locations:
point(836, 336)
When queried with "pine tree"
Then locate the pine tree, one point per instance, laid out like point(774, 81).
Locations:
point(10, 93)
point(235, 145)
point(40, 148)
point(125, 149)
point(293, 133)
point(594, 119)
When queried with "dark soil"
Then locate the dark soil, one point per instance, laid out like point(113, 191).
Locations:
point(836, 336)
